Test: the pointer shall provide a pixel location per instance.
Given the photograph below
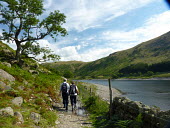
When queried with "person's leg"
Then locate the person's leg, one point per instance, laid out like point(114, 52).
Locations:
point(75, 101)
point(66, 101)
point(72, 100)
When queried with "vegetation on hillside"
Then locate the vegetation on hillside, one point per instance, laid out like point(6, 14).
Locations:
point(38, 92)
point(146, 60)
point(65, 68)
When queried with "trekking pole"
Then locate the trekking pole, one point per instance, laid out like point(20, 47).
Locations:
point(110, 92)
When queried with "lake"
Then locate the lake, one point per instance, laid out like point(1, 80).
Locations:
point(149, 92)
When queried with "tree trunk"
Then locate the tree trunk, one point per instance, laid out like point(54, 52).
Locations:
point(18, 52)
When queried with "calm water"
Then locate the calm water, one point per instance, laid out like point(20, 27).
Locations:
point(149, 92)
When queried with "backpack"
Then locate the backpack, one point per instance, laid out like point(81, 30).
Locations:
point(64, 88)
point(73, 89)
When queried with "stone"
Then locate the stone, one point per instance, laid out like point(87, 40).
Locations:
point(17, 101)
point(57, 122)
point(7, 64)
point(35, 117)
point(34, 72)
point(4, 87)
point(8, 111)
point(6, 76)
point(19, 117)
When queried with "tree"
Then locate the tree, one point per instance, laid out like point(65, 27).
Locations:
point(23, 25)
point(68, 74)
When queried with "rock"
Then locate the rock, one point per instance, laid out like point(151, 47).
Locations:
point(57, 122)
point(35, 117)
point(19, 117)
point(8, 111)
point(34, 72)
point(21, 87)
point(17, 101)
point(6, 76)
point(4, 87)
point(7, 64)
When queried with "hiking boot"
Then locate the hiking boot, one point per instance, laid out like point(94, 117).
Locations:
point(66, 108)
point(75, 107)
point(72, 107)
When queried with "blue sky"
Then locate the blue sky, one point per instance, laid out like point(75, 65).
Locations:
point(98, 28)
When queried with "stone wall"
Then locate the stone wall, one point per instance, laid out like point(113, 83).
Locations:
point(152, 117)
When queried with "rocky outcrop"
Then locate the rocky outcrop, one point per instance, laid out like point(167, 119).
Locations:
point(19, 117)
point(7, 64)
point(6, 76)
point(35, 117)
point(8, 111)
point(34, 72)
point(4, 87)
point(17, 101)
point(129, 110)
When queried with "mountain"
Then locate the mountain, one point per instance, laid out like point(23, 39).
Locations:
point(64, 66)
point(150, 52)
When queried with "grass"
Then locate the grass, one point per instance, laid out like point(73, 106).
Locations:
point(37, 92)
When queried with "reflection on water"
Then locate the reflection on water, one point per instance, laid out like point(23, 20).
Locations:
point(150, 92)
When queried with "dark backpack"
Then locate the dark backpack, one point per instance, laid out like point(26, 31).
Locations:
point(64, 88)
point(73, 89)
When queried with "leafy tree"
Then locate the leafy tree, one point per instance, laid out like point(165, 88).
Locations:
point(23, 25)
point(68, 74)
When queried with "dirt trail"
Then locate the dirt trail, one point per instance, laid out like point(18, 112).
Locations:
point(76, 119)
point(79, 118)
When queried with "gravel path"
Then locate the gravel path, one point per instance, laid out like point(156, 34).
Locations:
point(79, 118)
point(76, 119)
point(103, 92)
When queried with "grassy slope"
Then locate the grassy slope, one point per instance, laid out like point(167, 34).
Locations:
point(152, 51)
point(36, 90)
point(62, 66)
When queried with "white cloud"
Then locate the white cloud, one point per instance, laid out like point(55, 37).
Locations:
point(155, 26)
point(84, 14)
point(114, 40)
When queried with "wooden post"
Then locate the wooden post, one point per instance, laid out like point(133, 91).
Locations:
point(110, 92)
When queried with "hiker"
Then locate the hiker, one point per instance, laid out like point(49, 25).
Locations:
point(73, 92)
point(64, 89)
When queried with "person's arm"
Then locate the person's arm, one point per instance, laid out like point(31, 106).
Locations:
point(68, 88)
point(77, 90)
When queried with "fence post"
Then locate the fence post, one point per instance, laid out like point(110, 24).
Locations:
point(110, 92)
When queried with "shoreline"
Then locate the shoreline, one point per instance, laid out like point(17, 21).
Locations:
point(155, 78)
point(103, 92)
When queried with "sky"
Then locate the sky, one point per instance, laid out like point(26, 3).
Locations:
point(97, 28)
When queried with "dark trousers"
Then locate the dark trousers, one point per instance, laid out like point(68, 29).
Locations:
point(65, 99)
point(73, 99)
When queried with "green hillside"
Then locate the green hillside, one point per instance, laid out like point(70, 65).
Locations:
point(62, 67)
point(26, 93)
point(151, 52)
point(155, 51)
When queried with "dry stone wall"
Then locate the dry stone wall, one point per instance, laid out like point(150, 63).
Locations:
point(152, 117)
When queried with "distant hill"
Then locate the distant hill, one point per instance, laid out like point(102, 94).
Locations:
point(63, 66)
point(150, 52)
